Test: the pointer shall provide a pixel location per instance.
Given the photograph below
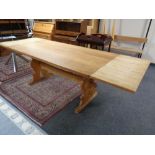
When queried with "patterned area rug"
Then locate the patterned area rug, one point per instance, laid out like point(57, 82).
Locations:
point(6, 71)
point(41, 100)
point(13, 122)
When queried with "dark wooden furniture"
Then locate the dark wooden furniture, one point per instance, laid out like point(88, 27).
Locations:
point(13, 29)
point(67, 31)
point(95, 41)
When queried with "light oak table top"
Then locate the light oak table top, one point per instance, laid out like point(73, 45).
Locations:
point(121, 71)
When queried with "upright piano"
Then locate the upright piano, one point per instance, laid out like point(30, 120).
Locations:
point(13, 29)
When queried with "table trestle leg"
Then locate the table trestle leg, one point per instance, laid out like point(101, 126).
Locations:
point(88, 88)
point(36, 71)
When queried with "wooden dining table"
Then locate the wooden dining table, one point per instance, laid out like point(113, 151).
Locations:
point(84, 65)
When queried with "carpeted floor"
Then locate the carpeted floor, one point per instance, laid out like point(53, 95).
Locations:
point(6, 71)
point(113, 111)
point(39, 101)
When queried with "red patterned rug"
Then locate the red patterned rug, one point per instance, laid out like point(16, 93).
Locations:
point(41, 100)
point(6, 71)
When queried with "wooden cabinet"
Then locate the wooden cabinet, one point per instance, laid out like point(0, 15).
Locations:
point(93, 26)
point(66, 31)
point(43, 29)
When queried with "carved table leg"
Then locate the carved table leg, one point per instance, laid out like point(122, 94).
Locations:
point(45, 73)
point(37, 71)
point(88, 88)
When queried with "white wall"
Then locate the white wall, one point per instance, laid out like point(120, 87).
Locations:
point(149, 50)
point(135, 28)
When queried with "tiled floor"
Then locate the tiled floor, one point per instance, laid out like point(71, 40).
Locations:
point(13, 122)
